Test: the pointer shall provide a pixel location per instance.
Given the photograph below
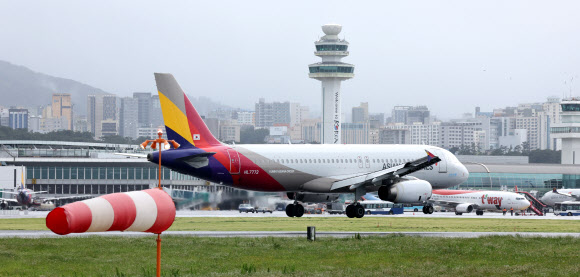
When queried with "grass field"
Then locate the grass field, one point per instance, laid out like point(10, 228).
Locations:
point(367, 256)
point(365, 224)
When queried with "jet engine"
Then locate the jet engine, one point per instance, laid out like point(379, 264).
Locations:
point(314, 197)
point(408, 191)
point(464, 208)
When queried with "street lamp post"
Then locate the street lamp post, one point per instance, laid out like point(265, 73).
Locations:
point(161, 143)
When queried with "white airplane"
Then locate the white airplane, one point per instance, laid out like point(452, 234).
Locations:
point(465, 201)
point(560, 195)
point(308, 173)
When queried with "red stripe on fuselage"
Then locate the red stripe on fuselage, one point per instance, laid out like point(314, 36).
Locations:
point(251, 176)
point(452, 192)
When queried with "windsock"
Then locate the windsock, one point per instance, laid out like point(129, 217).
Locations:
point(149, 211)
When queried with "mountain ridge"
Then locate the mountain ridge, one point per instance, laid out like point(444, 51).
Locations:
point(21, 86)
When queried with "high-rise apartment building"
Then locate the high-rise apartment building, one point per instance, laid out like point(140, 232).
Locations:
point(18, 118)
point(103, 114)
point(62, 108)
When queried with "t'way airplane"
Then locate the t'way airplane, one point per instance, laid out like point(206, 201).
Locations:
point(309, 173)
point(560, 195)
point(465, 201)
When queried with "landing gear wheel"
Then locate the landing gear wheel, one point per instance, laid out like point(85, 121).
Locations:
point(359, 211)
point(479, 212)
point(458, 213)
point(298, 210)
point(290, 210)
point(429, 209)
point(350, 211)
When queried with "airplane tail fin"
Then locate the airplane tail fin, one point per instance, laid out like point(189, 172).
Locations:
point(182, 122)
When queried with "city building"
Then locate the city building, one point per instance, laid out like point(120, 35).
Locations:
point(18, 118)
point(394, 136)
point(103, 112)
point(360, 114)
point(229, 132)
point(419, 133)
point(331, 72)
point(355, 133)
point(247, 118)
point(129, 117)
point(62, 108)
point(276, 113)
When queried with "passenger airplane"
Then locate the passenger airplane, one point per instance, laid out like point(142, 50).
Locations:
point(465, 201)
point(560, 195)
point(24, 197)
point(27, 197)
point(309, 173)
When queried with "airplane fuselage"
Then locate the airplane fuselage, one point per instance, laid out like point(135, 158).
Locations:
point(308, 168)
point(484, 200)
point(551, 198)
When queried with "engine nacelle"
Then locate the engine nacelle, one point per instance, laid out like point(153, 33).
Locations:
point(314, 197)
point(464, 208)
point(410, 191)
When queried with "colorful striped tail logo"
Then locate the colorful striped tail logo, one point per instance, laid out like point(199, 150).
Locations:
point(182, 122)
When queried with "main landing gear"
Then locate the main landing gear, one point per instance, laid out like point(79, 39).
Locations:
point(295, 210)
point(428, 209)
point(355, 210)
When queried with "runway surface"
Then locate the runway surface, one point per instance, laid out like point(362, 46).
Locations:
point(234, 213)
point(256, 234)
point(499, 216)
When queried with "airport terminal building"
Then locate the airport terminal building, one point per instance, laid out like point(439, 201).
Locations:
point(65, 168)
point(69, 168)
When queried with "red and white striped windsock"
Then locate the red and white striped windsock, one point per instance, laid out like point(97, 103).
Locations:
point(149, 211)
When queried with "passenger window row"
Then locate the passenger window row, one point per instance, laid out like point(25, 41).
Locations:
point(314, 161)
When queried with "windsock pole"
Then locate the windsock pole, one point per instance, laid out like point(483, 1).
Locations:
point(160, 142)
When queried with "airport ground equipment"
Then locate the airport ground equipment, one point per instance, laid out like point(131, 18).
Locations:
point(536, 205)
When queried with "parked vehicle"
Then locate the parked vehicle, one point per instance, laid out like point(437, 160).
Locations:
point(335, 208)
point(246, 208)
point(264, 210)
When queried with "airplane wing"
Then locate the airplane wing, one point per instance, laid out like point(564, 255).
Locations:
point(569, 194)
point(132, 155)
point(8, 200)
point(30, 192)
point(67, 197)
point(395, 172)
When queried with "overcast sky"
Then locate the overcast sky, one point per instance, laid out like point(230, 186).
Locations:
point(448, 55)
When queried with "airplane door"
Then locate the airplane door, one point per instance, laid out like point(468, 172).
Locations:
point(234, 161)
point(360, 162)
point(367, 162)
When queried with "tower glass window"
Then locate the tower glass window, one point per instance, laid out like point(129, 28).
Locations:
point(331, 47)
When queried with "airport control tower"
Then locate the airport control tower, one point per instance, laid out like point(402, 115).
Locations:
point(331, 71)
point(569, 130)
